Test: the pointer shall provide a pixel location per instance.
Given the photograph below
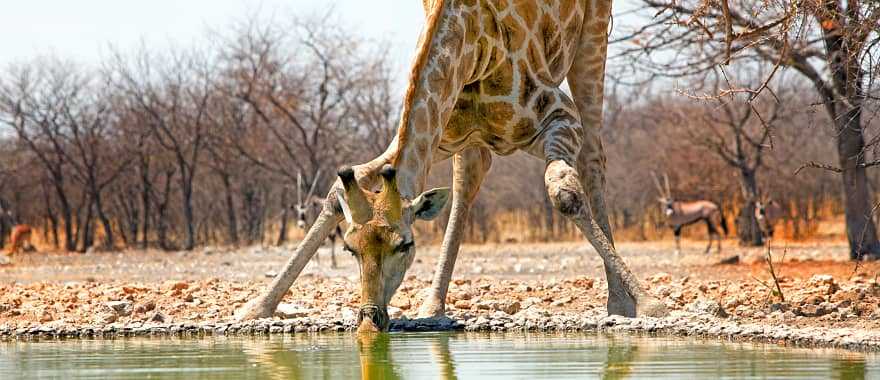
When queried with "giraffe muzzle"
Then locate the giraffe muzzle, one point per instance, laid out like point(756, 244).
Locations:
point(373, 318)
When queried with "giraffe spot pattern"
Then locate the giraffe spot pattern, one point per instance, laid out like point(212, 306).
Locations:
point(505, 60)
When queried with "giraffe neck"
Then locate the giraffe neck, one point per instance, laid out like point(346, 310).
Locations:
point(441, 67)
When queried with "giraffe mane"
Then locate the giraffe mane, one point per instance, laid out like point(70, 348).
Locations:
point(421, 60)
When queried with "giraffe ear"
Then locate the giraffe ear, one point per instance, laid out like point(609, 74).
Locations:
point(429, 204)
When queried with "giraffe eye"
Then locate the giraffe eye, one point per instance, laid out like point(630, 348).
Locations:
point(403, 247)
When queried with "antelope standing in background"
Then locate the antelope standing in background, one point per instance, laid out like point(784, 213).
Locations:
point(767, 213)
point(684, 213)
point(20, 239)
point(307, 210)
point(19, 235)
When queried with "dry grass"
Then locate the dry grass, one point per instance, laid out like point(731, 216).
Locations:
point(818, 221)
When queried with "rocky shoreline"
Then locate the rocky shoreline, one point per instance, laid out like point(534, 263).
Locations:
point(677, 324)
point(816, 302)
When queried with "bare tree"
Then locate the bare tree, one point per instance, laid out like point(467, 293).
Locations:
point(831, 43)
point(174, 103)
point(738, 131)
point(32, 104)
point(312, 96)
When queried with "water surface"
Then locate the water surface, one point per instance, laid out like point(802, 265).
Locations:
point(426, 356)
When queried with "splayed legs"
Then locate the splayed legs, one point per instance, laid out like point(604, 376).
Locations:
point(264, 306)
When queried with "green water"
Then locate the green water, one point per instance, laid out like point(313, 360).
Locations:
point(426, 356)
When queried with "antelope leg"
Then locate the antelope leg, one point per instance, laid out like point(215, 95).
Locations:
point(677, 232)
point(333, 236)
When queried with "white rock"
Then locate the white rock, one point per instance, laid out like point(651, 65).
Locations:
point(287, 311)
point(120, 308)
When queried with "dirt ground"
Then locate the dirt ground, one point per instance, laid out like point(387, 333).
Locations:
point(820, 287)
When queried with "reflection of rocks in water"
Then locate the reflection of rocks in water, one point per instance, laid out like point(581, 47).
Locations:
point(326, 356)
point(443, 323)
point(271, 358)
point(620, 356)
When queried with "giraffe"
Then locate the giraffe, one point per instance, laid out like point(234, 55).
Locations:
point(485, 80)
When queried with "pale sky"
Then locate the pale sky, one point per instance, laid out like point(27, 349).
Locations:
point(84, 29)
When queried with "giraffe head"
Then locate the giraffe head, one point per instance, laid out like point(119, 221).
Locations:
point(380, 238)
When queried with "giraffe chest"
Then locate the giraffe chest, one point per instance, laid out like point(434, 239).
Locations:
point(526, 48)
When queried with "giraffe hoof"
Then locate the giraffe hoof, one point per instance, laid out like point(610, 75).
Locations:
point(432, 309)
point(650, 307)
point(257, 308)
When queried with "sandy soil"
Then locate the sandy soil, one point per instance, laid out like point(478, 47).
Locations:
point(821, 288)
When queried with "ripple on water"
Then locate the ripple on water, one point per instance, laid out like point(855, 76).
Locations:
point(426, 355)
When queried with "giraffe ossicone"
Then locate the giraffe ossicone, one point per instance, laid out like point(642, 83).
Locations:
point(485, 80)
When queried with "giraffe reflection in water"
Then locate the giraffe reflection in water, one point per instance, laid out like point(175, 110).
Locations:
point(536, 355)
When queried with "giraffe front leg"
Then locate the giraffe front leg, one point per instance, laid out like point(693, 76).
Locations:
point(565, 187)
point(264, 305)
point(469, 169)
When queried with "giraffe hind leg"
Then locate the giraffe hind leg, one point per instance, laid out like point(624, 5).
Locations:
point(586, 79)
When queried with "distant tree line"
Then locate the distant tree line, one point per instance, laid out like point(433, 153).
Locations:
point(205, 146)
point(190, 146)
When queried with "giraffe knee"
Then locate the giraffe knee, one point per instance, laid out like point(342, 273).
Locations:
point(564, 189)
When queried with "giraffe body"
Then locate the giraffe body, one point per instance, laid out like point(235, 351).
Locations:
point(514, 89)
point(485, 80)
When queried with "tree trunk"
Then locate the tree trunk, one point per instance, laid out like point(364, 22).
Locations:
point(127, 203)
point(249, 203)
point(70, 238)
point(845, 108)
point(162, 215)
point(53, 221)
point(4, 230)
point(146, 189)
point(232, 219)
point(282, 231)
point(860, 229)
point(188, 217)
point(105, 221)
point(162, 230)
point(88, 236)
point(747, 229)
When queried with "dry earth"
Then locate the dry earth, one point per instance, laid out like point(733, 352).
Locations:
point(133, 288)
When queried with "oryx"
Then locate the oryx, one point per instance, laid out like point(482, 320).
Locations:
point(307, 210)
point(767, 213)
point(683, 213)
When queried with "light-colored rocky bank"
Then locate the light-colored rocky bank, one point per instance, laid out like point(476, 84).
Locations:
point(822, 302)
point(677, 324)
